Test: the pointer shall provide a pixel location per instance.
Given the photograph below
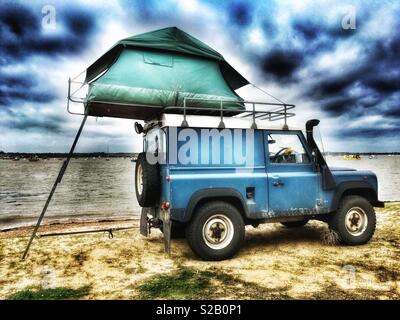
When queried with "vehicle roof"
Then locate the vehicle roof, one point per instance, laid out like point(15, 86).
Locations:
point(196, 121)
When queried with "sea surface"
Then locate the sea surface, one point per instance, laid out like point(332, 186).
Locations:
point(92, 188)
point(100, 188)
point(386, 167)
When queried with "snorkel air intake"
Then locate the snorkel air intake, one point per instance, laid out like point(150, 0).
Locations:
point(328, 181)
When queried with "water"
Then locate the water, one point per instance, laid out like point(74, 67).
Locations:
point(95, 188)
point(91, 188)
point(387, 169)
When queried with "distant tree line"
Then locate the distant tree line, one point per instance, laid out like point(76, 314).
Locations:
point(45, 155)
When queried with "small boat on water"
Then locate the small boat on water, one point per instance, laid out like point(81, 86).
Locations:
point(352, 157)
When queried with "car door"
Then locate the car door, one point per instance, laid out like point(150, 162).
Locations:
point(293, 185)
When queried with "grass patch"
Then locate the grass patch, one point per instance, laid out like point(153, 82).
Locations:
point(183, 284)
point(135, 270)
point(188, 283)
point(333, 292)
point(382, 273)
point(80, 257)
point(141, 269)
point(127, 254)
point(60, 293)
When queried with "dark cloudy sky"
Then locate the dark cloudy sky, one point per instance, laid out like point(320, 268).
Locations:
point(296, 50)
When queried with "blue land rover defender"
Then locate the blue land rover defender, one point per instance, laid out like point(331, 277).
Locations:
point(207, 177)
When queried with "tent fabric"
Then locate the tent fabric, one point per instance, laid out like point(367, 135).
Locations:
point(163, 79)
point(159, 69)
point(168, 39)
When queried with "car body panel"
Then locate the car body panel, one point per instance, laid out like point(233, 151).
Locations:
point(253, 187)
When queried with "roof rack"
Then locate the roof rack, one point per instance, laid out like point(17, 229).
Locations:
point(258, 110)
point(254, 110)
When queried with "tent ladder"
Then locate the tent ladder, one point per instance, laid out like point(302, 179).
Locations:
point(58, 180)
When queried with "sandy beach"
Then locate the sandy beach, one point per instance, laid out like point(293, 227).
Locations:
point(275, 263)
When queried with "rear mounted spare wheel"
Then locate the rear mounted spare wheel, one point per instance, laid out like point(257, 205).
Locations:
point(147, 181)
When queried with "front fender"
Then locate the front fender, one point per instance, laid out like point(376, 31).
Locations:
point(362, 188)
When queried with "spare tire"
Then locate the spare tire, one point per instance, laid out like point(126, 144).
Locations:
point(147, 181)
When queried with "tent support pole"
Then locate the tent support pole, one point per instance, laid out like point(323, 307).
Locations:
point(58, 180)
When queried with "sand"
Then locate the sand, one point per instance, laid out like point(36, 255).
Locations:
point(275, 263)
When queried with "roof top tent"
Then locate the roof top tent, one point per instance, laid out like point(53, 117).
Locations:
point(167, 71)
point(162, 71)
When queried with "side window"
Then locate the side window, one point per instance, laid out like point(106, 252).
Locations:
point(286, 148)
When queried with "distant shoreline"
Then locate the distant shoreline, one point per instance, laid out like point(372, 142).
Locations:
point(45, 155)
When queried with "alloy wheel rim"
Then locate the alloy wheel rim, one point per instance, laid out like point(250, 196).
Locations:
point(356, 221)
point(218, 232)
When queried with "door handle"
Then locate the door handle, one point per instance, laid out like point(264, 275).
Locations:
point(278, 184)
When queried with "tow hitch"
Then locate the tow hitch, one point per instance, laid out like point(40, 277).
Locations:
point(147, 222)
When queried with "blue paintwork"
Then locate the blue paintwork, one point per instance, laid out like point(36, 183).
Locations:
point(301, 193)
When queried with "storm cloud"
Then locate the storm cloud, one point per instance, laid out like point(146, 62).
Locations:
point(282, 64)
point(240, 12)
point(22, 34)
point(23, 39)
point(351, 77)
point(22, 87)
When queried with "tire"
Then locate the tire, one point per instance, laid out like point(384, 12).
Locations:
point(147, 181)
point(354, 221)
point(213, 217)
point(295, 224)
point(178, 230)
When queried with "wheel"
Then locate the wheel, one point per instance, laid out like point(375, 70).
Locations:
point(147, 181)
point(295, 224)
point(177, 230)
point(354, 221)
point(216, 231)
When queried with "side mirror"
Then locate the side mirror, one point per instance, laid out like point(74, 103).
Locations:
point(138, 128)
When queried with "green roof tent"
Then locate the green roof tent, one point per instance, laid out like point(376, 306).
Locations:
point(142, 74)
